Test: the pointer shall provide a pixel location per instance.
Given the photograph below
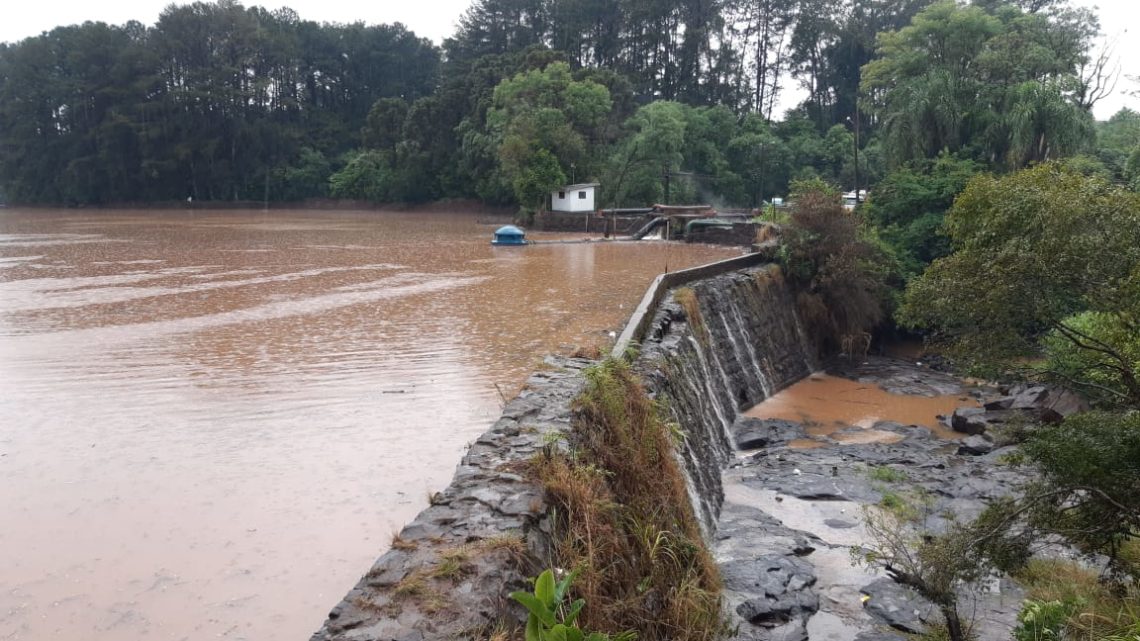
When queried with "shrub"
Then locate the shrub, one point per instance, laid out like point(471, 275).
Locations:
point(837, 274)
point(1042, 621)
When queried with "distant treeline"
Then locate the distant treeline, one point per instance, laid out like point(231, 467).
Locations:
point(222, 102)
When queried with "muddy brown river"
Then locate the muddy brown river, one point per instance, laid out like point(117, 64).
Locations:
point(211, 423)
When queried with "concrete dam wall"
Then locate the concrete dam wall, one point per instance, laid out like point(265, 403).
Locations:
point(707, 343)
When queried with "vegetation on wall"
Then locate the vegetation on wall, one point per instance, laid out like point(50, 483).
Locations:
point(624, 522)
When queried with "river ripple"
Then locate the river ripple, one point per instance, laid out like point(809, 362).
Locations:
point(211, 423)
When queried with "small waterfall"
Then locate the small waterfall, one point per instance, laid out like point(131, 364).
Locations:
point(724, 421)
point(761, 376)
point(756, 346)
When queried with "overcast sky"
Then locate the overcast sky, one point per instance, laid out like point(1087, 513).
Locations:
point(436, 19)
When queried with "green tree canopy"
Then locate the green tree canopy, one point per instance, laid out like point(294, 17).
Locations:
point(995, 81)
point(542, 116)
point(1033, 250)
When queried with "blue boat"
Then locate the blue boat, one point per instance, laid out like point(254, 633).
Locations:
point(509, 235)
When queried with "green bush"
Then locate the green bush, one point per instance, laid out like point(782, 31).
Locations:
point(1100, 376)
point(1042, 621)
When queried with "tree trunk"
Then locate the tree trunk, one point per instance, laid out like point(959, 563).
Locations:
point(953, 623)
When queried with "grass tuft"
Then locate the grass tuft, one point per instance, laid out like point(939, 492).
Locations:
point(402, 544)
point(1098, 612)
point(887, 474)
point(687, 298)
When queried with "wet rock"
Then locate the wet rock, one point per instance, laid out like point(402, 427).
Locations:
point(1000, 403)
point(968, 420)
point(1061, 404)
point(1028, 398)
point(976, 445)
point(773, 590)
point(754, 433)
point(898, 606)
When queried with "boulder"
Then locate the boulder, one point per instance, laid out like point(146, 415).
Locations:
point(1000, 403)
point(754, 433)
point(776, 589)
point(1060, 404)
point(968, 420)
point(976, 445)
point(898, 606)
point(1029, 398)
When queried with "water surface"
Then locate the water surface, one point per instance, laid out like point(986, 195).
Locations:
point(211, 423)
point(829, 405)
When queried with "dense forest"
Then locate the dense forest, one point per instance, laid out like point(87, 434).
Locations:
point(223, 102)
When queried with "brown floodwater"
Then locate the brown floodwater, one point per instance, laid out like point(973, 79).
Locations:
point(829, 406)
point(212, 422)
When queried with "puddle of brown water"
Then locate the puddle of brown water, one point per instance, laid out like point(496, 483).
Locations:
point(827, 404)
point(212, 422)
point(805, 444)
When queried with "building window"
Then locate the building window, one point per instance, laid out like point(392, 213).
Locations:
point(561, 195)
point(581, 195)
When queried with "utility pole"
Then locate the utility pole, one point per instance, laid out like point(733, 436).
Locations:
point(855, 123)
point(760, 182)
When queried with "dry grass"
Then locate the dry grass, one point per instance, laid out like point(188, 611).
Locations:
point(452, 564)
point(1100, 611)
point(1130, 556)
point(413, 585)
point(624, 518)
point(687, 298)
point(402, 544)
point(765, 233)
point(591, 352)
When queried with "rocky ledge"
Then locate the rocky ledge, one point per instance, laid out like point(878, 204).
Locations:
point(792, 516)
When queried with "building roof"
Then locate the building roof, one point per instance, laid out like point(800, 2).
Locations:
point(509, 230)
point(580, 186)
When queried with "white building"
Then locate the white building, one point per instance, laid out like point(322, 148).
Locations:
point(574, 198)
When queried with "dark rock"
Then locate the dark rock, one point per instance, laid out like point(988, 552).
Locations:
point(898, 606)
point(774, 591)
point(975, 445)
point(1028, 398)
point(754, 433)
point(1061, 404)
point(1002, 403)
point(839, 524)
point(1002, 416)
point(770, 575)
point(968, 420)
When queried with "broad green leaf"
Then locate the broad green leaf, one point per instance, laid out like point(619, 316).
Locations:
point(533, 629)
point(544, 589)
point(537, 608)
